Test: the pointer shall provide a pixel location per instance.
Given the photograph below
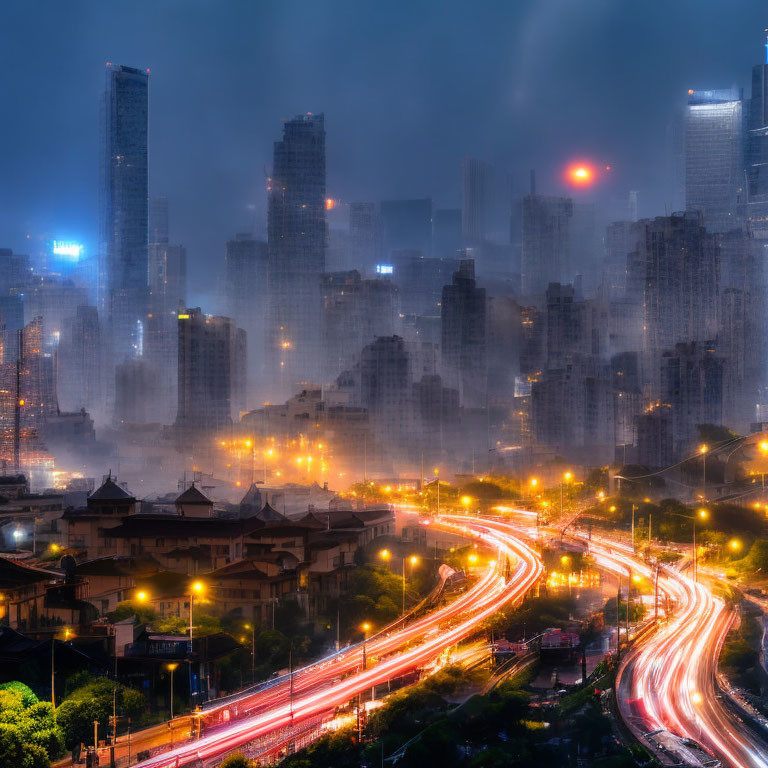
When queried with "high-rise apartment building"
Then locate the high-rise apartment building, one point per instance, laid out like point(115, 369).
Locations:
point(211, 371)
point(679, 262)
point(714, 157)
point(298, 238)
point(123, 253)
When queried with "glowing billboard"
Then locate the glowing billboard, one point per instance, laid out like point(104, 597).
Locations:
point(68, 249)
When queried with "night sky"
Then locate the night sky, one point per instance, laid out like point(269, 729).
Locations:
point(407, 88)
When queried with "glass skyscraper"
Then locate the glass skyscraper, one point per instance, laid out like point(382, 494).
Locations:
point(123, 253)
point(714, 157)
point(298, 237)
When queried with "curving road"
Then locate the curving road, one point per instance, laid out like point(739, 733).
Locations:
point(668, 683)
point(321, 688)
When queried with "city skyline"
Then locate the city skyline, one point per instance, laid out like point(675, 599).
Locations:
point(227, 179)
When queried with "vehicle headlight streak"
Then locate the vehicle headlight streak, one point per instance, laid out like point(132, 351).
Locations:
point(673, 671)
point(318, 690)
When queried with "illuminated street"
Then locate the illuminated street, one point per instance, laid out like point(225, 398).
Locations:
point(318, 690)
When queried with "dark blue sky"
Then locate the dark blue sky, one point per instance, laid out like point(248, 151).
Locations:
point(407, 88)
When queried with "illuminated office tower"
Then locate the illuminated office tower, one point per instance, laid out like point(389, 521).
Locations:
point(297, 242)
point(714, 157)
point(123, 256)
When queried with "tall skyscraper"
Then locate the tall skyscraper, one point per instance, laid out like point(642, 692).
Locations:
point(298, 238)
point(714, 157)
point(123, 254)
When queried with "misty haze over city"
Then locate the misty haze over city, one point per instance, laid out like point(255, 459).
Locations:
point(383, 382)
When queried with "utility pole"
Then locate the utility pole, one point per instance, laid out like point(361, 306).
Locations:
point(629, 591)
point(633, 527)
point(650, 520)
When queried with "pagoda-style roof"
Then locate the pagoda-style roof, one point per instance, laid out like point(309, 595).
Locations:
point(269, 514)
point(110, 491)
point(193, 496)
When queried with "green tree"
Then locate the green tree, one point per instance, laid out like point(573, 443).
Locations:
point(93, 701)
point(29, 734)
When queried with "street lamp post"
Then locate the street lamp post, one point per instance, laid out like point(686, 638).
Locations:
point(171, 667)
point(763, 446)
point(413, 560)
point(252, 627)
point(703, 450)
point(197, 587)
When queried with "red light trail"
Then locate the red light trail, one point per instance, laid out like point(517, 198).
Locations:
point(319, 690)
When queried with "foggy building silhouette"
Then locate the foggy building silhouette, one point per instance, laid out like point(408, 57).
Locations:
point(545, 243)
point(298, 238)
point(463, 335)
point(211, 371)
point(80, 361)
point(355, 312)
point(246, 268)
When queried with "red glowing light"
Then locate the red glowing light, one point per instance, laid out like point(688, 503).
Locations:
point(608, 167)
point(580, 175)
point(330, 203)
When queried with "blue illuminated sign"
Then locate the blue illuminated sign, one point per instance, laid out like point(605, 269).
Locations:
point(385, 269)
point(68, 249)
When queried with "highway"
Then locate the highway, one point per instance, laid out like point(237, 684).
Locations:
point(321, 688)
point(667, 684)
